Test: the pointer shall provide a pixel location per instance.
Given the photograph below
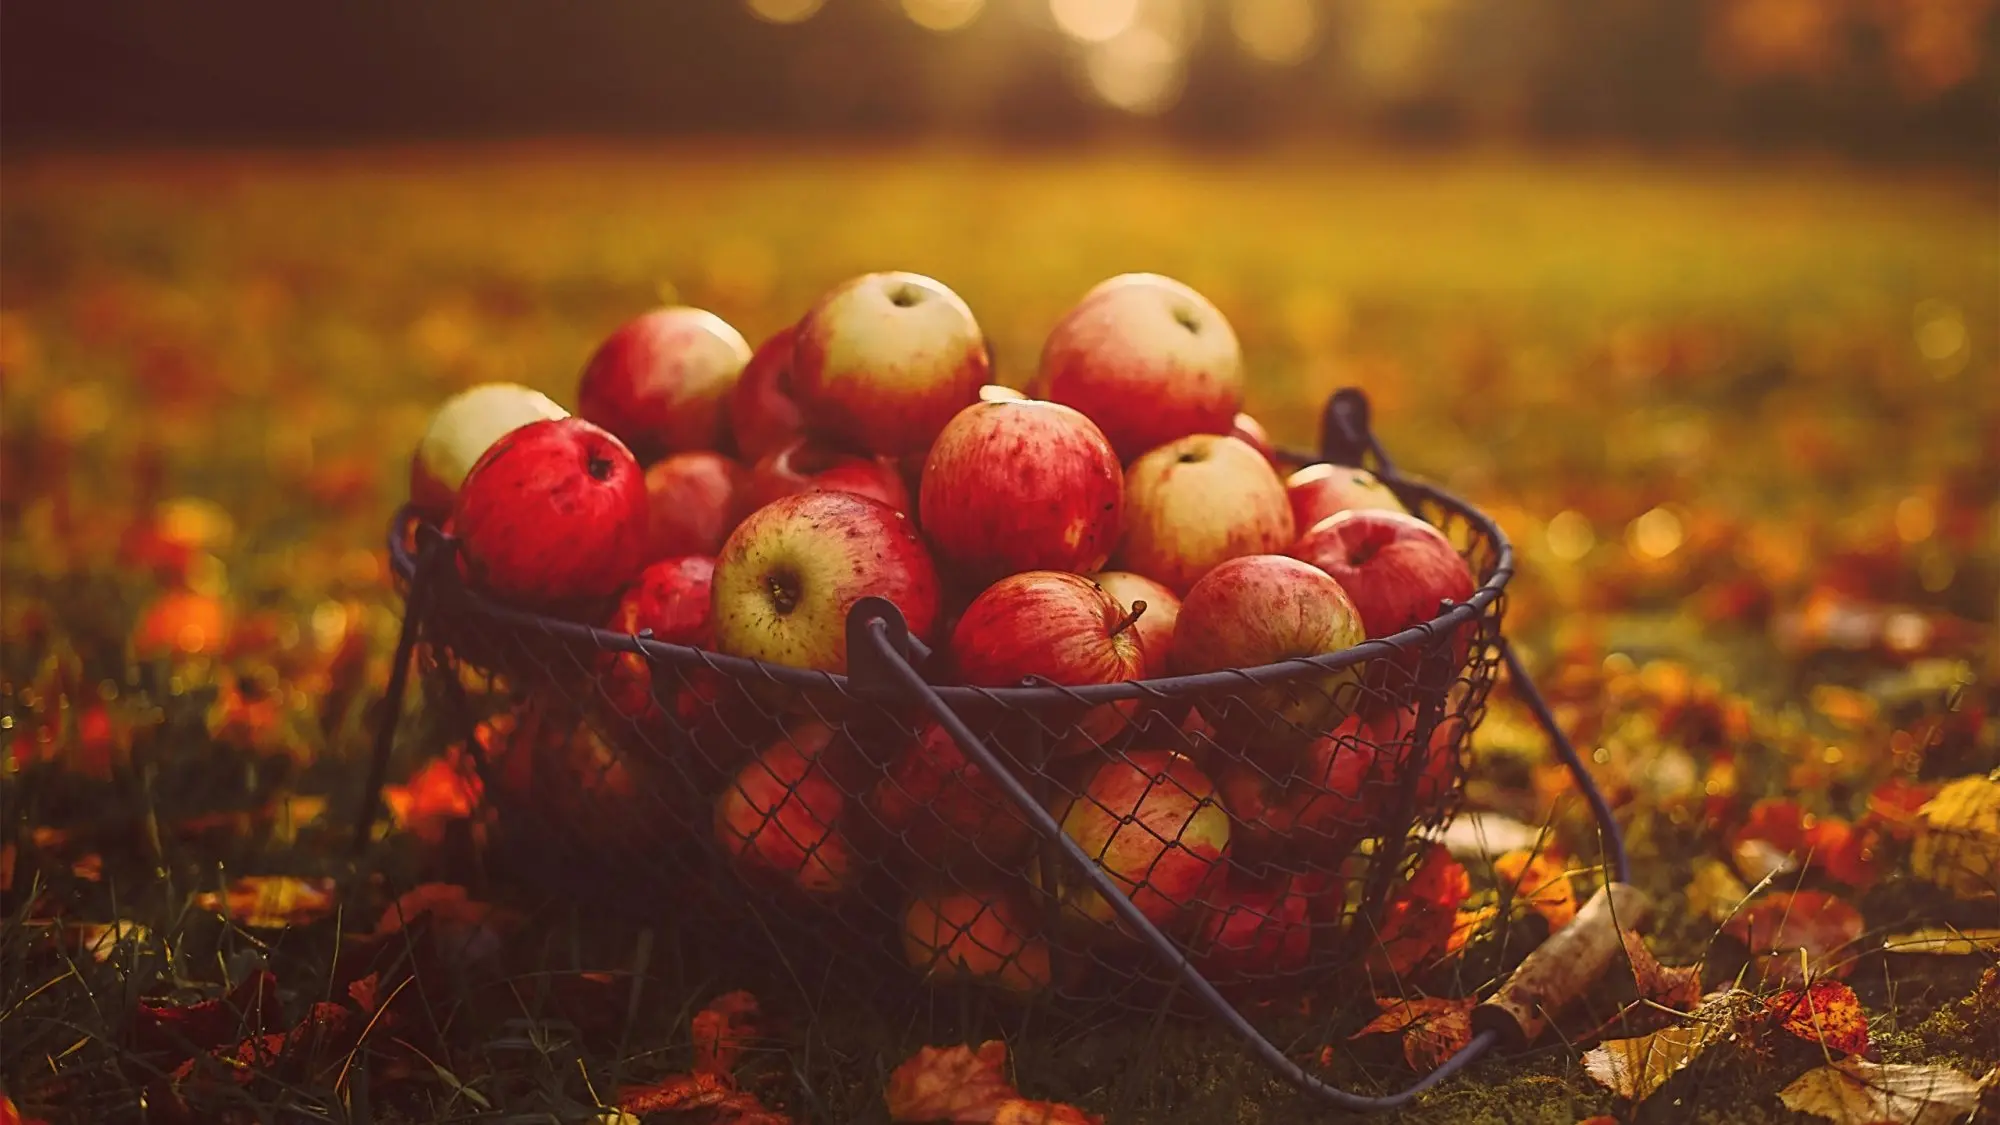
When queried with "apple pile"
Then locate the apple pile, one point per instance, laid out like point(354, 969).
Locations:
point(1122, 519)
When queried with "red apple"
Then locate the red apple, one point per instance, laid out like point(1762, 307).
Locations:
point(1251, 432)
point(1319, 806)
point(461, 431)
point(695, 500)
point(1262, 609)
point(943, 806)
point(1156, 625)
point(804, 465)
point(1150, 820)
point(884, 360)
point(789, 573)
point(1253, 930)
point(1435, 786)
point(579, 788)
point(1060, 627)
point(975, 935)
point(661, 380)
point(1146, 358)
point(1318, 491)
point(762, 415)
point(671, 598)
point(1017, 486)
point(1196, 502)
point(555, 510)
point(780, 818)
point(1395, 568)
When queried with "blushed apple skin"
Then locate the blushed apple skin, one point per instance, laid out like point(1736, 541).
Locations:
point(695, 500)
point(555, 511)
point(1398, 571)
point(1316, 808)
point(781, 816)
point(884, 360)
point(464, 427)
point(1156, 625)
point(670, 597)
point(789, 574)
point(1194, 503)
point(975, 935)
point(1146, 358)
point(1252, 433)
point(804, 465)
point(1013, 486)
point(1150, 821)
point(661, 381)
point(1319, 491)
point(763, 417)
point(1262, 609)
point(1250, 931)
point(1061, 627)
point(944, 807)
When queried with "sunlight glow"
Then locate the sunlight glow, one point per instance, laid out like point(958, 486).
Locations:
point(1139, 71)
point(1094, 21)
point(1278, 32)
point(942, 15)
point(784, 11)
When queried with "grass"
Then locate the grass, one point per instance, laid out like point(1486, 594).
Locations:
point(1794, 364)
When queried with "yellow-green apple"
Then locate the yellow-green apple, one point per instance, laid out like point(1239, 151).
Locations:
point(671, 599)
point(1253, 929)
point(694, 500)
point(790, 572)
point(763, 417)
point(1155, 625)
point(1316, 807)
point(984, 935)
point(1150, 820)
point(1263, 609)
point(1018, 486)
point(884, 360)
point(1396, 569)
point(1148, 359)
point(1198, 501)
point(1251, 432)
point(780, 819)
point(1062, 628)
point(1318, 491)
point(554, 511)
point(662, 380)
point(461, 431)
point(994, 392)
point(944, 807)
point(806, 465)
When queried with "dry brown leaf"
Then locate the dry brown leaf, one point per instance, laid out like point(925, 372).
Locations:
point(1433, 1029)
point(1855, 1091)
point(1677, 988)
point(271, 902)
point(1538, 881)
point(1957, 844)
point(1941, 942)
point(954, 1084)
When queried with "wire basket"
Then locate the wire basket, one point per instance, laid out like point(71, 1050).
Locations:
point(1224, 838)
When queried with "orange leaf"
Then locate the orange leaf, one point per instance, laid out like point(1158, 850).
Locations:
point(10, 1114)
point(1894, 804)
point(721, 1030)
point(1020, 1111)
point(447, 788)
point(181, 622)
point(271, 902)
point(955, 1084)
point(1539, 881)
point(1418, 921)
point(677, 1093)
point(1796, 935)
point(1826, 1013)
point(1433, 1029)
point(1469, 924)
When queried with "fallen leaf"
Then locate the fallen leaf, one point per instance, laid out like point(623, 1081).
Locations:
point(1020, 1111)
point(721, 1030)
point(1469, 924)
point(1855, 1091)
point(1797, 935)
point(460, 925)
point(956, 1084)
point(103, 940)
point(271, 902)
point(1537, 880)
point(366, 992)
point(679, 1093)
point(1634, 1068)
point(1895, 803)
point(248, 1009)
point(324, 1031)
point(1957, 842)
point(446, 789)
point(1939, 941)
point(1418, 921)
point(1827, 1013)
point(1677, 988)
point(1433, 1029)
point(10, 1114)
point(1715, 892)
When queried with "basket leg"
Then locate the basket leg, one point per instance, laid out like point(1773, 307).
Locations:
point(879, 629)
point(1612, 839)
point(414, 609)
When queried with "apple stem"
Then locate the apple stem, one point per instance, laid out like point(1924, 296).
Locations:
point(1138, 607)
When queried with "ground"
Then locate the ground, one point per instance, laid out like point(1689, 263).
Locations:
point(1741, 421)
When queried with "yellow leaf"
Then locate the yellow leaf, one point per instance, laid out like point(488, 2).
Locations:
point(1957, 845)
point(1715, 892)
point(1855, 1091)
point(271, 902)
point(1942, 942)
point(1634, 1068)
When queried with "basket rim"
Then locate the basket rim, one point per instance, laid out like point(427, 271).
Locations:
point(403, 563)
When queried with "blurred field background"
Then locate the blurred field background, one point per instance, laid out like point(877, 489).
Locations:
point(1701, 300)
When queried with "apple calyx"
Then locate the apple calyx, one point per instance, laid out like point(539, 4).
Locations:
point(784, 590)
point(598, 466)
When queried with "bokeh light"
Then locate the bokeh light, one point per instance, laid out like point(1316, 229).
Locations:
point(1094, 21)
point(942, 15)
point(785, 11)
point(1655, 535)
point(1139, 71)
point(1279, 32)
point(1570, 536)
